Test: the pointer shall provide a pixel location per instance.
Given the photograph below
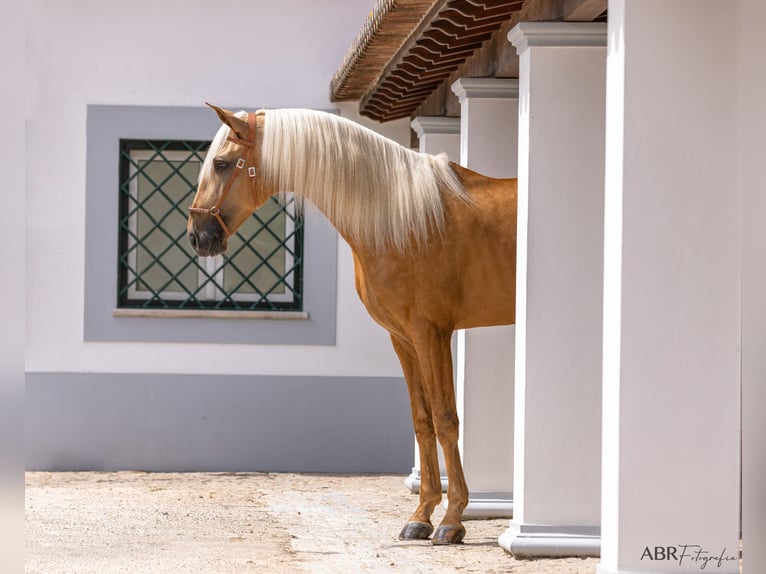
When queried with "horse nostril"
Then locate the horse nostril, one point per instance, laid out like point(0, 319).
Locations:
point(192, 239)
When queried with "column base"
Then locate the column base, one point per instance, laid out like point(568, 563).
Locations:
point(486, 505)
point(550, 541)
point(412, 482)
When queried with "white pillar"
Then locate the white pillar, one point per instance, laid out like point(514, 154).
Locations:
point(753, 124)
point(484, 357)
point(562, 69)
point(672, 289)
point(436, 134)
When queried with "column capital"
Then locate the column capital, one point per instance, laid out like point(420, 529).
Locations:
point(435, 125)
point(498, 88)
point(564, 34)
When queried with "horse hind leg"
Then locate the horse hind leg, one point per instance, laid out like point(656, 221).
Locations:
point(435, 358)
point(419, 525)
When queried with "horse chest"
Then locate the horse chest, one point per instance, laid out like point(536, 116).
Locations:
point(399, 292)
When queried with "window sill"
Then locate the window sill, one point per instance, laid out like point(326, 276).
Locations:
point(211, 314)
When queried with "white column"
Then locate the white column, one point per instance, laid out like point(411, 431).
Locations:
point(672, 289)
point(562, 69)
point(484, 356)
point(436, 134)
point(753, 125)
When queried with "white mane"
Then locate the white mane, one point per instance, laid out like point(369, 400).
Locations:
point(373, 190)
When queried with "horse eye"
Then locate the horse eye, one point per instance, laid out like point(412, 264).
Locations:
point(220, 164)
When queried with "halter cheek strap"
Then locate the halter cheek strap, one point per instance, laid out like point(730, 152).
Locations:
point(247, 160)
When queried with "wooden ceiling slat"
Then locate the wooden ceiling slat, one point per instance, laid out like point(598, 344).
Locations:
point(484, 9)
point(459, 34)
point(441, 52)
point(411, 81)
point(393, 95)
point(428, 43)
point(451, 42)
point(469, 22)
point(425, 65)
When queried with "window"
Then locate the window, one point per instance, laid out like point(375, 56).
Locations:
point(261, 269)
point(216, 313)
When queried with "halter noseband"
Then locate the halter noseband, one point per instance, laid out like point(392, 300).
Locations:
point(246, 160)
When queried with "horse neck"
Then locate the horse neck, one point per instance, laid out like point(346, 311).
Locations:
point(373, 190)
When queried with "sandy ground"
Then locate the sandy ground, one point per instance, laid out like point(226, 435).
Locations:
point(211, 523)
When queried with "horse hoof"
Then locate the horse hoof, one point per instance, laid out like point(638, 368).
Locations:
point(416, 531)
point(448, 535)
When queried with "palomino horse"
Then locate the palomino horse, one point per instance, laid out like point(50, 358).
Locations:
point(434, 248)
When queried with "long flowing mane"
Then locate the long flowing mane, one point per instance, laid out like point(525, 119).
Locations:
point(375, 191)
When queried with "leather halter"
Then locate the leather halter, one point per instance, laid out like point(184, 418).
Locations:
point(246, 160)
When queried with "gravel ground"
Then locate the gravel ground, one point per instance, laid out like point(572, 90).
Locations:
point(227, 523)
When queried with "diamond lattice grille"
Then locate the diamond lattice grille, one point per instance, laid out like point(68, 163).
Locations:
point(158, 268)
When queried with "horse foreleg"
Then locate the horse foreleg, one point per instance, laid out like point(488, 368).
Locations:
point(435, 357)
point(419, 525)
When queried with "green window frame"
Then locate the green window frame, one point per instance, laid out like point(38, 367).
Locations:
point(157, 268)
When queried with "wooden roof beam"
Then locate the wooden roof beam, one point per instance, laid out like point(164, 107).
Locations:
point(454, 38)
point(583, 10)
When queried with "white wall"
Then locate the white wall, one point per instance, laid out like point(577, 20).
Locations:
point(176, 53)
point(170, 406)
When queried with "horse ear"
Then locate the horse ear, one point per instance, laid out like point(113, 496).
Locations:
point(238, 125)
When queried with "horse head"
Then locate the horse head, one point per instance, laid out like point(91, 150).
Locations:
point(229, 187)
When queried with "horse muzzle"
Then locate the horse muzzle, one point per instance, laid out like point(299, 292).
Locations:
point(207, 239)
